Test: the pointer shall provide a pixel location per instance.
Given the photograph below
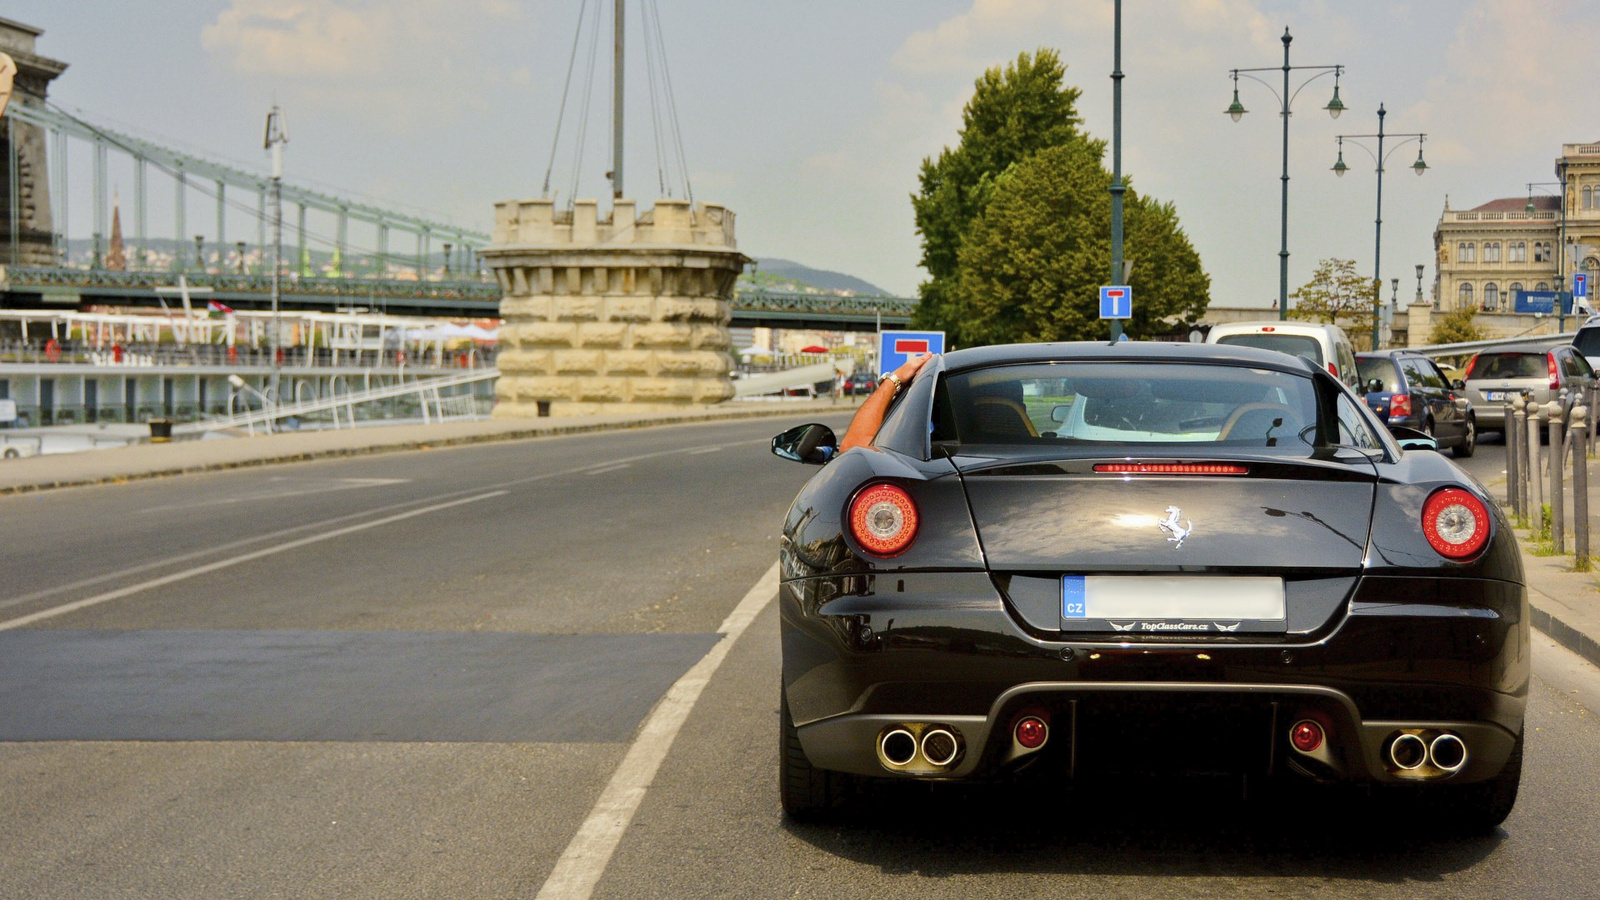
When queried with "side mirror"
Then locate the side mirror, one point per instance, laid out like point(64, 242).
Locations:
point(1459, 384)
point(1060, 412)
point(1374, 385)
point(1412, 439)
point(813, 444)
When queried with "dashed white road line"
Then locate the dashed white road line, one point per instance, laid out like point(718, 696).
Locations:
point(233, 561)
point(586, 857)
point(604, 470)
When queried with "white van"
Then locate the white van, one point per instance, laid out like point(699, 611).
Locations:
point(1326, 345)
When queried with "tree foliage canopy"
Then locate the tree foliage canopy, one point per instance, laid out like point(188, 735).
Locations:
point(1015, 223)
point(1457, 326)
point(1337, 295)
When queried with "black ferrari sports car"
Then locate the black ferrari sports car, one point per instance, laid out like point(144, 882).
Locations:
point(1068, 561)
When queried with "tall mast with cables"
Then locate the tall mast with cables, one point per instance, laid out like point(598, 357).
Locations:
point(616, 107)
point(276, 137)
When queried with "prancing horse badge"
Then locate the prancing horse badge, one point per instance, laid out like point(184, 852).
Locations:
point(1175, 532)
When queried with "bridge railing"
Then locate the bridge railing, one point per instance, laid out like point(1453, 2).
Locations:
point(220, 356)
point(354, 287)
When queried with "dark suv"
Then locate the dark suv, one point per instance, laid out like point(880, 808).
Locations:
point(1409, 390)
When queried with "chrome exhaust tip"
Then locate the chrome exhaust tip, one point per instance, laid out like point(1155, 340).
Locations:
point(1408, 752)
point(897, 747)
point(1448, 753)
point(939, 746)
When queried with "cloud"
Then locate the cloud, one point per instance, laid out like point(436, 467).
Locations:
point(386, 61)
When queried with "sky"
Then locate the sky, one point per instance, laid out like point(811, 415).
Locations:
point(810, 118)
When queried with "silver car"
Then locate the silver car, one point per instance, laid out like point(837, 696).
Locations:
point(1539, 371)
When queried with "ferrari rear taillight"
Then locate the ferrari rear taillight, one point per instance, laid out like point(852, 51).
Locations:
point(1456, 523)
point(1555, 374)
point(1399, 406)
point(883, 520)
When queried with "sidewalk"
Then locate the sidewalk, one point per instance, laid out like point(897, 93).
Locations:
point(38, 473)
point(1565, 604)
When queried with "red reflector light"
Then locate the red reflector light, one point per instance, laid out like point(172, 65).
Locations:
point(1333, 370)
point(1031, 732)
point(1306, 736)
point(1171, 469)
point(1456, 523)
point(1269, 329)
point(1555, 375)
point(1399, 405)
point(883, 520)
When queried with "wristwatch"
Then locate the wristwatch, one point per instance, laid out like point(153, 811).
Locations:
point(890, 376)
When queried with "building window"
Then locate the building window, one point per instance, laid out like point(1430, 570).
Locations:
point(1491, 252)
point(1491, 296)
point(1517, 251)
point(1464, 298)
point(1543, 286)
point(1512, 292)
point(1541, 251)
point(1588, 197)
point(1466, 252)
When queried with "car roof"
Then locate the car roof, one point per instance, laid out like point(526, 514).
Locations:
point(1126, 351)
point(1395, 353)
point(1277, 325)
point(1523, 348)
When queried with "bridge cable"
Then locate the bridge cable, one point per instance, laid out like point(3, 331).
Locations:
point(655, 118)
point(672, 103)
point(565, 89)
point(583, 119)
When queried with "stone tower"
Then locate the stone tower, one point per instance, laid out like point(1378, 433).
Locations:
point(33, 229)
point(629, 313)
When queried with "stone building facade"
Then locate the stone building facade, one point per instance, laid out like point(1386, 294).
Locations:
point(1488, 253)
point(626, 313)
point(33, 228)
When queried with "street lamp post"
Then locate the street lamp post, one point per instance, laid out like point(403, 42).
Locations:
point(1420, 267)
point(1561, 242)
point(1339, 168)
point(1286, 99)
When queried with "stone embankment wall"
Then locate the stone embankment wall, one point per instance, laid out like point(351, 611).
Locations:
point(605, 315)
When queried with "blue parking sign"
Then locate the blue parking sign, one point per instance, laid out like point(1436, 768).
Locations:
point(895, 347)
point(1116, 302)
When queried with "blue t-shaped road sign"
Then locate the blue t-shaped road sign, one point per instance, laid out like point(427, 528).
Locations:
point(895, 347)
point(1116, 302)
point(1580, 286)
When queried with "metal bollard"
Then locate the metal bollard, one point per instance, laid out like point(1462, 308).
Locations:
point(1594, 401)
point(1558, 462)
point(1580, 488)
point(1513, 458)
point(1534, 479)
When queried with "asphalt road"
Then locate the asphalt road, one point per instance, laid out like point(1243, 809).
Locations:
point(414, 675)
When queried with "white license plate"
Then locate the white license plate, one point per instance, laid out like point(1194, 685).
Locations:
point(1166, 602)
point(1494, 395)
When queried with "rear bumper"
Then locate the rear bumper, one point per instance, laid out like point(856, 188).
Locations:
point(943, 650)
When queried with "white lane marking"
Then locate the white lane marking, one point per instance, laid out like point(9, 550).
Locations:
point(586, 857)
point(339, 484)
point(233, 561)
point(704, 450)
point(617, 467)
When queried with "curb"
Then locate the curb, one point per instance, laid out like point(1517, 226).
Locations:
point(516, 434)
point(1564, 634)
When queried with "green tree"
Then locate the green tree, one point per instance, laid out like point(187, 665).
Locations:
point(1014, 112)
point(1457, 325)
point(1031, 265)
point(1337, 295)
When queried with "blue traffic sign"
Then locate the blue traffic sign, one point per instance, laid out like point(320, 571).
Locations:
point(1580, 285)
point(895, 347)
point(1116, 302)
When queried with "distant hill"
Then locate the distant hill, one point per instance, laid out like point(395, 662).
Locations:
point(783, 274)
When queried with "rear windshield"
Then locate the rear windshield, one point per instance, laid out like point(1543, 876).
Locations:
point(1381, 369)
point(1292, 344)
point(1588, 341)
point(1511, 365)
point(1126, 403)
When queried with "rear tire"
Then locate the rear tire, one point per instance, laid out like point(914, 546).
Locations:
point(1469, 439)
point(807, 792)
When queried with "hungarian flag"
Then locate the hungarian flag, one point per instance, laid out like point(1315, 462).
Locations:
point(217, 309)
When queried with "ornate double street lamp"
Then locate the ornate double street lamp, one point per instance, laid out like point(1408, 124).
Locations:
point(1285, 101)
point(1339, 168)
point(1560, 190)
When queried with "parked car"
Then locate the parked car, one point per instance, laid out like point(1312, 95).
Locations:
point(1587, 340)
point(1325, 345)
point(1538, 370)
point(1408, 390)
point(1193, 558)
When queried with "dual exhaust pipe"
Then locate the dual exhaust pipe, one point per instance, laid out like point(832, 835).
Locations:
point(938, 748)
point(1446, 752)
